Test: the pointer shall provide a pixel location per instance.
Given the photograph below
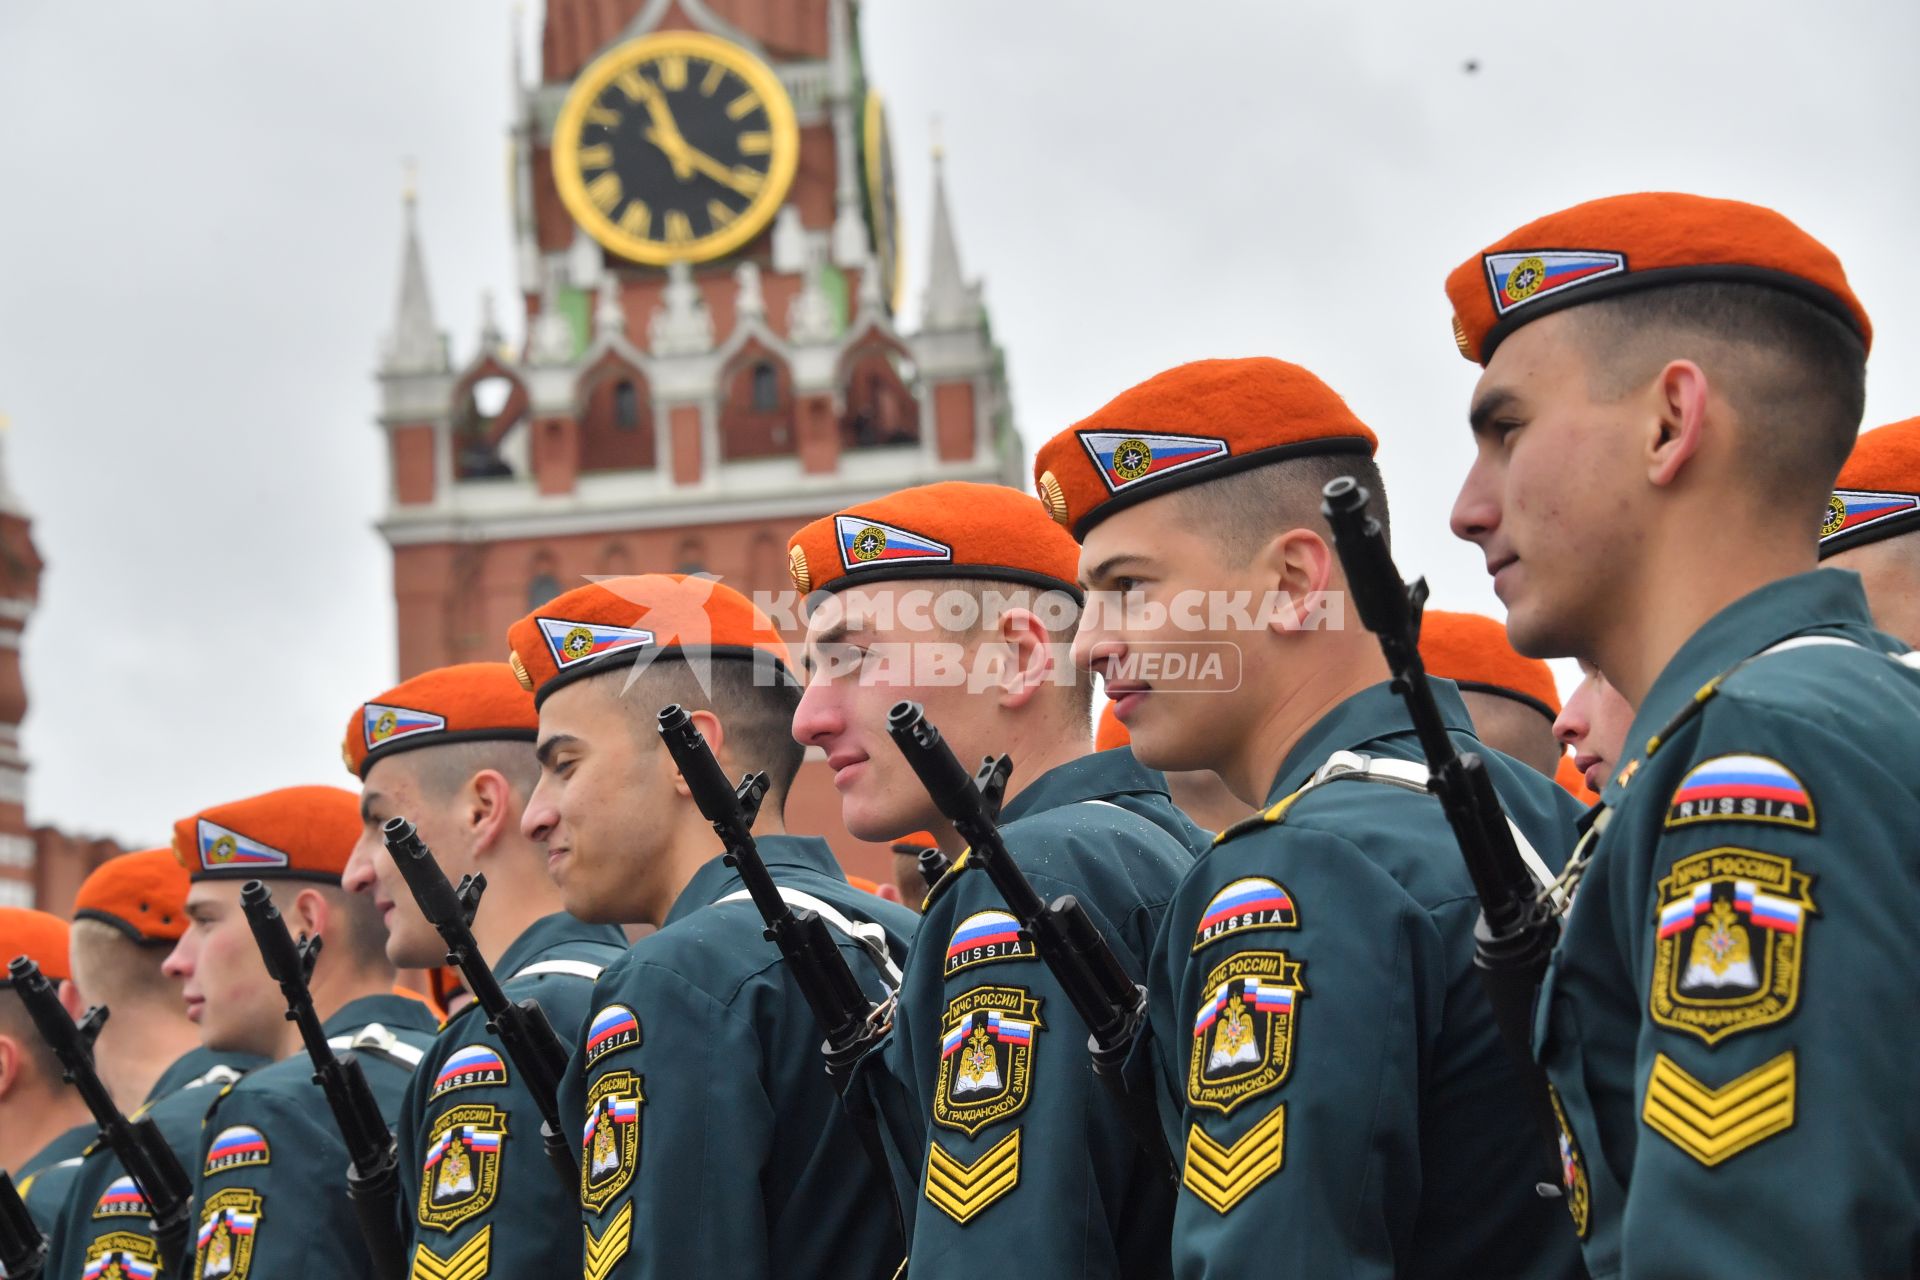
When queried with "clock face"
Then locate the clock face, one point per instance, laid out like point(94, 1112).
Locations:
point(677, 147)
point(883, 206)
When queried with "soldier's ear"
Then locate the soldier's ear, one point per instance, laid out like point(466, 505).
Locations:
point(70, 998)
point(1300, 569)
point(11, 1054)
point(716, 735)
point(1678, 424)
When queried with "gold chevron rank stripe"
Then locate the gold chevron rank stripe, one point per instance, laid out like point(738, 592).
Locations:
point(603, 1253)
point(1713, 1125)
point(469, 1262)
point(963, 1191)
point(1223, 1175)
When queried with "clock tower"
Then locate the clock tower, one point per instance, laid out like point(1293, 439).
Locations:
point(707, 247)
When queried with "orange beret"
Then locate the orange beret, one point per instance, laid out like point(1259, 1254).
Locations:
point(1878, 492)
point(1473, 652)
point(143, 895)
point(912, 844)
point(1109, 732)
point(471, 702)
point(295, 833)
point(618, 622)
point(1608, 247)
point(39, 936)
point(953, 529)
point(1195, 422)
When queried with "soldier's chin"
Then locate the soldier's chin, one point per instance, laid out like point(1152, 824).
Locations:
point(882, 823)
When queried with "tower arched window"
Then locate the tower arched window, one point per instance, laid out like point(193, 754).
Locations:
point(626, 407)
point(766, 388)
point(541, 588)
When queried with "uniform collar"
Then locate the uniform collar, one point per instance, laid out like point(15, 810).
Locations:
point(403, 1013)
point(1096, 776)
point(547, 933)
point(1367, 717)
point(1831, 598)
point(194, 1063)
point(715, 879)
point(67, 1146)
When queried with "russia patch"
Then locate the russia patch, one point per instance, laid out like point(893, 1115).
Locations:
point(122, 1199)
point(384, 724)
point(235, 1148)
point(1529, 275)
point(1850, 509)
point(467, 1068)
point(1742, 788)
point(613, 1028)
point(865, 543)
point(224, 850)
point(986, 936)
point(1128, 457)
point(572, 643)
point(1253, 902)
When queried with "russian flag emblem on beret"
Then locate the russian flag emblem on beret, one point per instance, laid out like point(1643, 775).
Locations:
point(575, 642)
point(865, 543)
point(384, 724)
point(1128, 457)
point(221, 850)
point(1528, 275)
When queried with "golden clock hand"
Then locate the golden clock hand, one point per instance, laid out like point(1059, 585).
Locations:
point(718, 172)
point(665, 133)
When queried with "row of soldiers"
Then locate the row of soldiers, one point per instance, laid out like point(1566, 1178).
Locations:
point(1113, 1043)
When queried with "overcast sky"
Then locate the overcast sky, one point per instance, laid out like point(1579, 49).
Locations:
point(200, 226)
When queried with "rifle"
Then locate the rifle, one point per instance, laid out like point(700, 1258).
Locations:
point(136, 1144)
point(23, 1250)
point(373, 1175)
point(853, 1023)
point(1517, 928)
point(523, 1028)
point(1112, 1004)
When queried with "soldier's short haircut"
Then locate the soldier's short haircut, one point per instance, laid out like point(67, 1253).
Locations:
point(1795, 374)
point(17, 1024)
point(991, 597)
point(1245, 510)
point(753, 704)
point(357, 932)
point(114, 970)
point(444, 768)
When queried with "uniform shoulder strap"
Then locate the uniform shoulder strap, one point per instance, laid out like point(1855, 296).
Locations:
point(376, 1040)
point(870, 937)
point(568, 968)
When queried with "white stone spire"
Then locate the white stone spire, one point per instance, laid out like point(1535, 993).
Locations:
point(416, 344)
point(551, 341)
point(681, 325)
point(609, 317)
point(951, 302)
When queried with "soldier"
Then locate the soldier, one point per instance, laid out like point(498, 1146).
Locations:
point(44, 1127)
point(701, 1040)
point(1016, 1130)
point(1333, 1085)
point(452, 751)
point(1870, 518)
point(1511, 700)
point(1593, 727)
point(1198, 793)
point(129, 913)
point(1678, 380)
point(271, 1164)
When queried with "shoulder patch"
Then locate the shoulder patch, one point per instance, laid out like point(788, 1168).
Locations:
point(986, 936)
point(987, 1041)
point(1243, 1030)
point(1742, 788)
point(610, 1144)
point(1253, 902)
point(461, 1174)
point(614, 1028)
point(229, 1224)
point(606, 1249)
point(122, 1255)
point(469, 1262)
point(1222, 1174)
point(236, 1147)
point(1714, 1125)
point(469, 1067)
point(122, 1199)
point(1729, 942)
point(963, 1191)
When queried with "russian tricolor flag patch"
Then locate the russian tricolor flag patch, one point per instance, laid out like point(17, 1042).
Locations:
point(1742, 788)
point(867, 544)
point(573, 643)
point(1529, 275)
point(1850, 509)
point(384, 724)
point(224, 850)
point(1126, 458)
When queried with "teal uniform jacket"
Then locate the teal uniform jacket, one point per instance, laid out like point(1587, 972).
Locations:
point(470, 1148)
point(1727, 1018)
point(712, 1142)
point(1025, 1157)
point(44, 1181)
point(272, 1199)
point(104, 1212)
point(1334, 1089)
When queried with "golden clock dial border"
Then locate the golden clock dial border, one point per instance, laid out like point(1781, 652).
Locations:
point(602, 72)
